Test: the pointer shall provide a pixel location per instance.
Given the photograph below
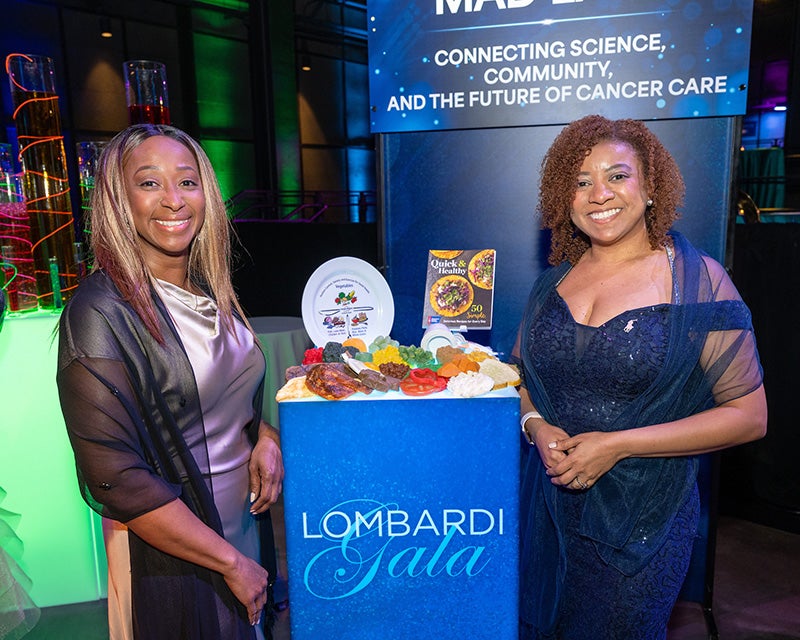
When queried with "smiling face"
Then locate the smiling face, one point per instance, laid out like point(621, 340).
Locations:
point(609, 201)
point(166, 196)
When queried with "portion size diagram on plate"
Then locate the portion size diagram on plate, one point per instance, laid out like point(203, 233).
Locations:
point(347, 298)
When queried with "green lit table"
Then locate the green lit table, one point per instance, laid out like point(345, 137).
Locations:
point(63, 554)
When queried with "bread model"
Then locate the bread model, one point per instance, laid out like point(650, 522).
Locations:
point(503, 374)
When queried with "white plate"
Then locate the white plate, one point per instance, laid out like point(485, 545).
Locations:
point(347, 298)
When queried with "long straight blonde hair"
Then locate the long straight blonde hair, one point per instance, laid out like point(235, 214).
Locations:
point(115, 245)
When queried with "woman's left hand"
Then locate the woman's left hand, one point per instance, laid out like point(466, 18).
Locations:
point(589, 456)
point(266, 469)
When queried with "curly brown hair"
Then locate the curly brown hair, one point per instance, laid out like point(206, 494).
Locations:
point(561, 165)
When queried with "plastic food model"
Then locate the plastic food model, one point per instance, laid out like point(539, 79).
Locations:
point(339, 370)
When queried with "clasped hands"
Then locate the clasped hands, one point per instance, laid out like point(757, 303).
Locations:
point(574, 462)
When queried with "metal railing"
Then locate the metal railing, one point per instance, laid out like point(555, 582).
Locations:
point(303, 206)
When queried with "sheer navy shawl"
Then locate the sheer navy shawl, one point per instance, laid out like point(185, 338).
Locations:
point(130, 404)
point(712, 358)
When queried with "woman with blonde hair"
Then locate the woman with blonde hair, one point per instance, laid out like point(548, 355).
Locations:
point(161, 379)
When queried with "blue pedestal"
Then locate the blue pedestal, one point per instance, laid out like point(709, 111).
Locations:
point(402, 516)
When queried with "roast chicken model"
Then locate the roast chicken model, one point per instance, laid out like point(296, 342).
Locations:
point(330, 381)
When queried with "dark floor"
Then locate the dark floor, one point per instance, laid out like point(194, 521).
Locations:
point(756, 586)
point(756, 594)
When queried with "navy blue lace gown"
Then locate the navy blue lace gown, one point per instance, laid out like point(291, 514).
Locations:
point(591, 375)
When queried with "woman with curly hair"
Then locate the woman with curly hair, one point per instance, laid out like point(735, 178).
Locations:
point(638, 356)
point(160, 379)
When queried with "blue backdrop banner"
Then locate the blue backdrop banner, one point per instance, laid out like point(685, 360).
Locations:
point(464, 64)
